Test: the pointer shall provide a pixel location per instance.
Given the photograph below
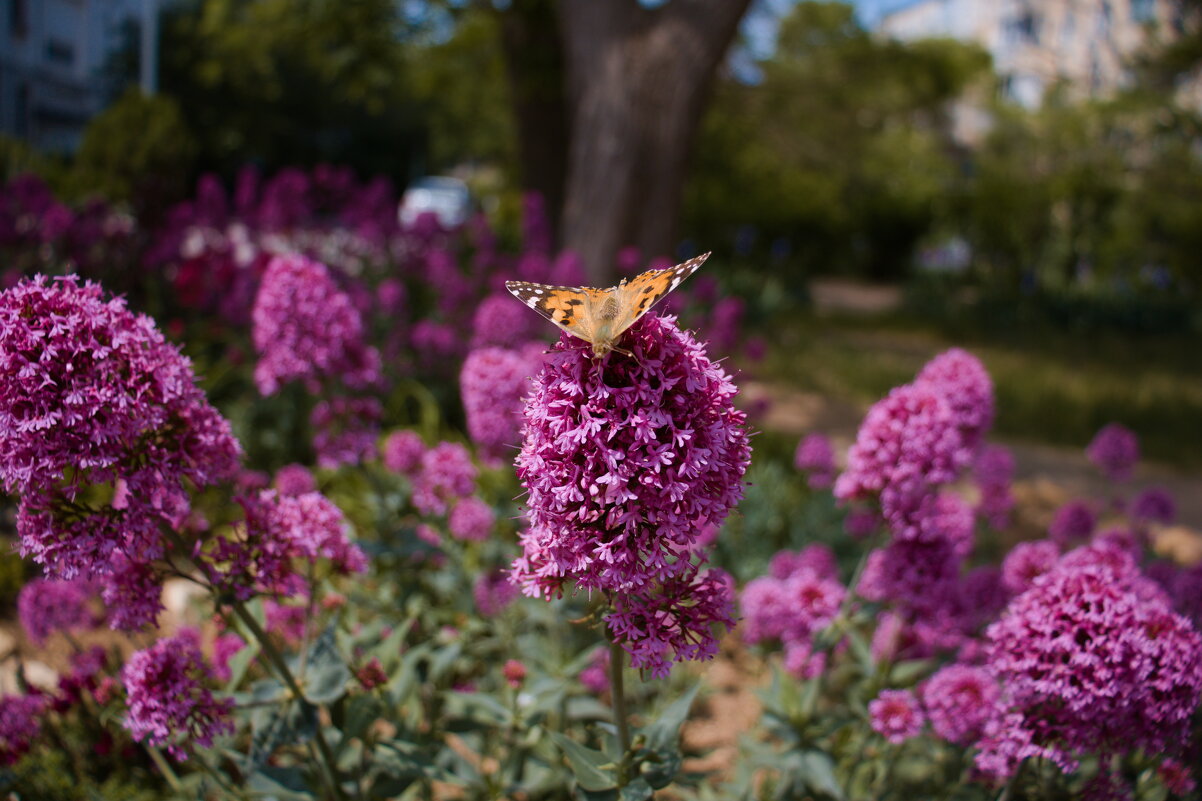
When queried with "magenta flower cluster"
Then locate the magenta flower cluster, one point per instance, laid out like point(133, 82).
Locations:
point(20, 725)
point(1092, 660)
point(816, 458)
point(492, 592)
point(446, 475)
point(261, 555)
point(800, 597)
point(45, 606)
point(994, 474)
point(965, 384)
point(493, 383)
point(102, 429)
point(1072, 523)
point(896, 715)
point(307, 329)
point(908, 443)
point(345, 430)
point(472, 519)
point(626, 460)
point(959, 700)
point(402, 451)
point(169, 702)
point(1115, 450)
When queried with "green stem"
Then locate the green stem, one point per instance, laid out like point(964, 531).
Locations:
point(618, 696)
point(281, 667)
point(164, 767)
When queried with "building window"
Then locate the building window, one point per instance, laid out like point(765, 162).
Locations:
point(60, 52)
point(1023, 28)
point(18, 19)
point(1143, 10)
point(21, 123)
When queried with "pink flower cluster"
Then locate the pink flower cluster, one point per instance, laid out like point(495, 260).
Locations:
point(965, 384)
point(1073, 523)
point(492, 592)
point(1091, 660)
point(45, 606)
point(959, 701)
point(261, 556)
point(896, 715)
point(169, 703)
point(500, 323)
point(472, 519)
point(447, 474)
point(20, 725)
point(626, 460)
point(97, 404)
point(800, 597)
point(816, 458)
point(306, 329)
point(345, 430)
point(1115, 450)
point(908, 443)
point(402, 451)
point(493, 383)
point(994, 474)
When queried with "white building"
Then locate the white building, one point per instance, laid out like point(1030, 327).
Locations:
point(1086, 44)
point(51, 54)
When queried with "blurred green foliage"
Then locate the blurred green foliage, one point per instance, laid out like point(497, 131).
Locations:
point(841, 159)
point(463, 96)
point(139, 150)
point(13, 574)
point(288, 82)
point(841, 147)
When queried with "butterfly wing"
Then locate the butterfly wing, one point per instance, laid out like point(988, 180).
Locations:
point(568, 307)
point(649, 288)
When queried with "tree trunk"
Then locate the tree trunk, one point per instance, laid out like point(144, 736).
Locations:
point(535, 67)
point(638, 79)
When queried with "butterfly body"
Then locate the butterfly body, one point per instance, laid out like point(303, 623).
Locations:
point(601, 316)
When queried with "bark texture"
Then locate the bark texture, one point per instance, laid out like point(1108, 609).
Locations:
point(637, 82)
point(535, 68)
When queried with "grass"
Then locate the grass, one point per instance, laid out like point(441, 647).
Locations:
point(1051, 388)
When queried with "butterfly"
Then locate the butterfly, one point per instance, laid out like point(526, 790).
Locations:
point(601, 316)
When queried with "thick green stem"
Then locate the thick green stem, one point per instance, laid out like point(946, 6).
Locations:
point(618, 696)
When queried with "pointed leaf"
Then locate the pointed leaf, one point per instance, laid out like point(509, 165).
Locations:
point(283, 784)
point(588, 766)
point(664, 733)
point(819, 771)
point(326, 673)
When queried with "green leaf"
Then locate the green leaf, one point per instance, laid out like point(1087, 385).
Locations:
point(664, 733)
point(860, 648)
point(361, 711)
point(479, 708)
point(598, 795)
point(637, 790)
point(288, 724)
point(240, 663)
point(283, 784)
point(443, 660)
point(588, 766)
point(907, 673)
point(660, 768)
point(326, 674)
point(818, 770)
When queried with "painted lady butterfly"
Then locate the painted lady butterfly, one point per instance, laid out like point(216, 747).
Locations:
point(601, 316)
